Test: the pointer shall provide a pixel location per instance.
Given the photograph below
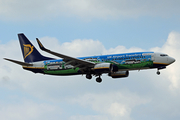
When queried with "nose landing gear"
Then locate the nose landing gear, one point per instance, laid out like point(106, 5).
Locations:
point(159, 68)
point(158, 73)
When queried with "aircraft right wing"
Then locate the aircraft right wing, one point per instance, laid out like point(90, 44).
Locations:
point(69, 60)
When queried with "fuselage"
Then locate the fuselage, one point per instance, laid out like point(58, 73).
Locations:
point(124, 62)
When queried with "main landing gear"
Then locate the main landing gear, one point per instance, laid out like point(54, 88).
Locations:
point(88, 76)
point(98, 79)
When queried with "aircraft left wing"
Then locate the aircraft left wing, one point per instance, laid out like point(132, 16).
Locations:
point(69, 60)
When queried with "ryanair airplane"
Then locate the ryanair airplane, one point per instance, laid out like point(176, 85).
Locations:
point(115, 65)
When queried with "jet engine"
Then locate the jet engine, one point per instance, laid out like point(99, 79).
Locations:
point(119, 74)
point(105, 68)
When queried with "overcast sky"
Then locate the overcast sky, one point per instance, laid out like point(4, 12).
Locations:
point(90, 27)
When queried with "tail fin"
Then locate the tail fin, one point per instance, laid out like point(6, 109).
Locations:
point(30, 53)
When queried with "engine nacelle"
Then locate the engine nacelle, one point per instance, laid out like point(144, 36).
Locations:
point(105, 68)
point(119, 74)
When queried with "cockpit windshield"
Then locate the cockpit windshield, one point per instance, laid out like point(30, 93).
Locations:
point(163, 55)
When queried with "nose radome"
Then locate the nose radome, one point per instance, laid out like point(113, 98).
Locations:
point(171, 60)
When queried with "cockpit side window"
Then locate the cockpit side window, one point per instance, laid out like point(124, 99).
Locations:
point(163, 55)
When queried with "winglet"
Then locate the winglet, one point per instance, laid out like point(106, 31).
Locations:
point(40, 45)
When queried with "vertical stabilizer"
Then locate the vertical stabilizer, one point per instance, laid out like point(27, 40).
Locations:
point(30, 53)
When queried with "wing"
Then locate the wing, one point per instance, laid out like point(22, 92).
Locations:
point(82, 64)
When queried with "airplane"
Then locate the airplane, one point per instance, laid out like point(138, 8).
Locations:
point(115, 65)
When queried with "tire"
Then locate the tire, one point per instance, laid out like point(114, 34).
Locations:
point(88, 76)
point(158, 72)
point(99, 80)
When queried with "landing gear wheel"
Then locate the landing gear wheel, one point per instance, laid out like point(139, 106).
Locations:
point(88, 76)
point(99, 80)
point(158, 72)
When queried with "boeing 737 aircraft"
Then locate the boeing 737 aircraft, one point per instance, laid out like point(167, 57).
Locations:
point(115, 65)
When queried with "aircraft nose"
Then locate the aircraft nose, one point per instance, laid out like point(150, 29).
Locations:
point(171, 60)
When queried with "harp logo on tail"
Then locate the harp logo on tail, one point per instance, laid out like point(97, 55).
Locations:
point(28, 49)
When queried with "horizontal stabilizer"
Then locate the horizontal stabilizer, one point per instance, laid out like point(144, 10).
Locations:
point(19, 62)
